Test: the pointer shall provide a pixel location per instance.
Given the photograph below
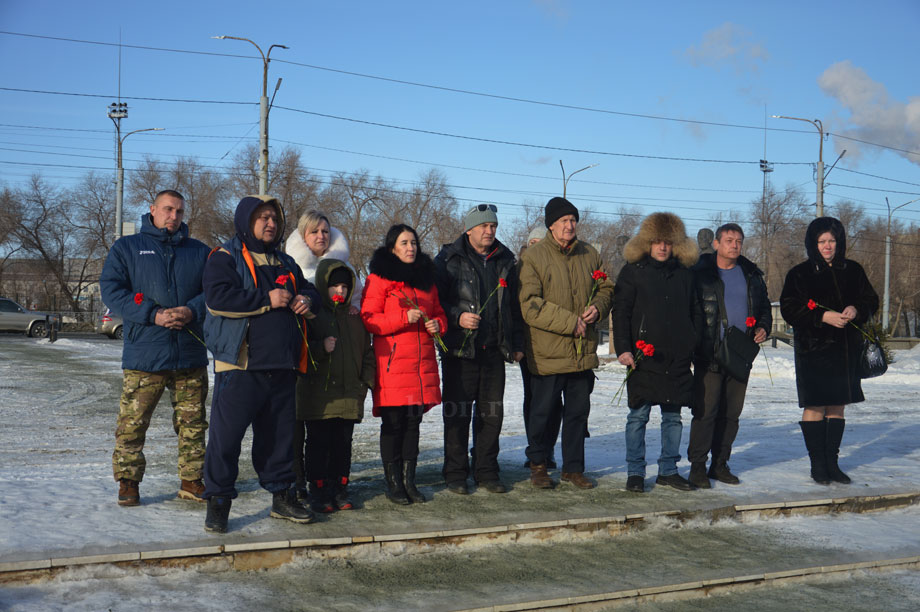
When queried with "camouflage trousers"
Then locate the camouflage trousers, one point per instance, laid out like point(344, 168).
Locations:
point(141, 391)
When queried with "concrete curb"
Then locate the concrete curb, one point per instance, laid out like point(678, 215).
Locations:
point(269, 554)
point(688, 590)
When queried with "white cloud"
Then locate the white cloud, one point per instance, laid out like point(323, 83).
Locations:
point(873, 115)
point(558, 9)
point(728, 45)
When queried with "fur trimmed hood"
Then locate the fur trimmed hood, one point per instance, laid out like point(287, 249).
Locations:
point(308, 262)
point(418, 275)
point(820, 226)
point(662, 226)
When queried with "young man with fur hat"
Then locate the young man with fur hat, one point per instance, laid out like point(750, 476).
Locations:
point(256, 300)
point(656, 303)
point(477, 287)
point(560, 306)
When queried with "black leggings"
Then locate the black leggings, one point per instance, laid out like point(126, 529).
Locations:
point(328, 449)
point(399, 432)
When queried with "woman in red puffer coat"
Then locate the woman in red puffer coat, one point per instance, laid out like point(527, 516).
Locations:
point(401, 309)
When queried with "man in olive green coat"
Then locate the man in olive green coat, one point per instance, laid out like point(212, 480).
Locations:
point(330, 397)
point(564, 292)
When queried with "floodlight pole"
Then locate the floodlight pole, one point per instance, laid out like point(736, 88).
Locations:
point(117, 112)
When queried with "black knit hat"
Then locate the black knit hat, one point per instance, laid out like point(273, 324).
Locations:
point(559, 207)
point(341, 275)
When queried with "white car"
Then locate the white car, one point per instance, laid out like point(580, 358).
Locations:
point(14, 317)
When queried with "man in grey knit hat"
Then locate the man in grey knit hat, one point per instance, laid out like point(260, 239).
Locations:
point(477, 286)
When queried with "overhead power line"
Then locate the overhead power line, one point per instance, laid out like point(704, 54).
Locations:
point(126, 46)
point(884, 178)
point(461, 91)
point(529, 145)
point(423, 131)
point(876, 189)
point(123, 97)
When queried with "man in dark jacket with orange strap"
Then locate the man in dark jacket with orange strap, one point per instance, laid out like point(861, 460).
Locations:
point(257, 300)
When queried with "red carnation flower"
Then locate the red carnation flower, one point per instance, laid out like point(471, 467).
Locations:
point(502, 282)
point(640, 344)
point(138, 298)
point(812, 304)
point(338, 299)
point(750, 321)
point(648, 350)
point(282, 280)
point(598, 275)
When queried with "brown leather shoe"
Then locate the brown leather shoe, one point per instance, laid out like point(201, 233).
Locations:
point(578, 479)
point(539, 478)
point(128, 494)
point(192, 490)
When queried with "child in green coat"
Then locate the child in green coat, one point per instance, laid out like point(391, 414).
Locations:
point(330, 397)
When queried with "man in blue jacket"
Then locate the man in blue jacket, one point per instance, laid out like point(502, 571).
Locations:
point(257, 305)
point(153, 281)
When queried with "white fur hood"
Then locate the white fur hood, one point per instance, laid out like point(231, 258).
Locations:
point(338, 249)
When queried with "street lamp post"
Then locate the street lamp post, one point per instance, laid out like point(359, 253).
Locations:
point(819, 199)
point(263, 111)
point(887, 299)
point(117, 112)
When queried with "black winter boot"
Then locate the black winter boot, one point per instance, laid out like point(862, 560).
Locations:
point(698, 475)
point(815, 434)
point(719, 470)
point(832, 448)
point(341, 498)
point(414, 494)
point(286, 506)
point(218, 514)
point(396, 490)
point(321, 496)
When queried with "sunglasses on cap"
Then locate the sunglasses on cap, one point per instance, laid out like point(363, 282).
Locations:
point(485, 207)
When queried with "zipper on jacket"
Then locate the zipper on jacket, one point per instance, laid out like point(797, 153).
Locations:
point(392, 352)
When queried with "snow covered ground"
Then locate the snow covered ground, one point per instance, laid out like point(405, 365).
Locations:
point(57, 496)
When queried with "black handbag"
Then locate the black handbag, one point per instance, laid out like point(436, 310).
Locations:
point(737, 350)
point(872, 360)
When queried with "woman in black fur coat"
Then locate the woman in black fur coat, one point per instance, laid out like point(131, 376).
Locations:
point(824, 299)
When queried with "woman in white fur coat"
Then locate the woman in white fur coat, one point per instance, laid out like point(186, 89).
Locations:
point(314, 240)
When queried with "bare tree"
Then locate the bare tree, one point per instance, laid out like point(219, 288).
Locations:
point(209, 212)
point(93, 212)
point(10, 213)
point(289, 181)
point(353, 203)
point(429, 207)
point(515, 234)
point(67, 257)
point(776, 237)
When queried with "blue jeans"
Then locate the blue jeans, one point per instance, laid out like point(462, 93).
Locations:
point(671, 429)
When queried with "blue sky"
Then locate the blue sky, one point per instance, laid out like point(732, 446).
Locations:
point(656, 75)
